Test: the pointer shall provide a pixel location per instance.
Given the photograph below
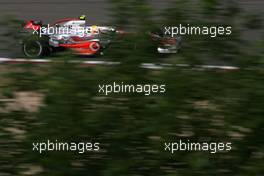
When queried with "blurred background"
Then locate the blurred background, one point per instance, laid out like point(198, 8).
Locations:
point(60, 100)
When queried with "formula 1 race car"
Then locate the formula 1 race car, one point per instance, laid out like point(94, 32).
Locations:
point(74, 34)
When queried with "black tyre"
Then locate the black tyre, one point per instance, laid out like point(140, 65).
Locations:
point(35, 47)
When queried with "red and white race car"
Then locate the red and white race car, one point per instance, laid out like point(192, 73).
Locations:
point(74, 34)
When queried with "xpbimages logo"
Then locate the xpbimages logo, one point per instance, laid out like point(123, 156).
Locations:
point(212, 31)
point(65, 30)
point(146, 89)
point(212, 147)
point(50, 146)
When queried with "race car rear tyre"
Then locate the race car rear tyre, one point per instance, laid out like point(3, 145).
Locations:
point(35, 48)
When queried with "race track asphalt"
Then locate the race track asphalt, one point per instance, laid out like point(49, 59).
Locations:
point(97, 11)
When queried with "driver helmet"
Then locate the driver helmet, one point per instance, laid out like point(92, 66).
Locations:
point(82, 17)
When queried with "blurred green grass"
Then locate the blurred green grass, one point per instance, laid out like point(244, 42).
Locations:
point(200, 105)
